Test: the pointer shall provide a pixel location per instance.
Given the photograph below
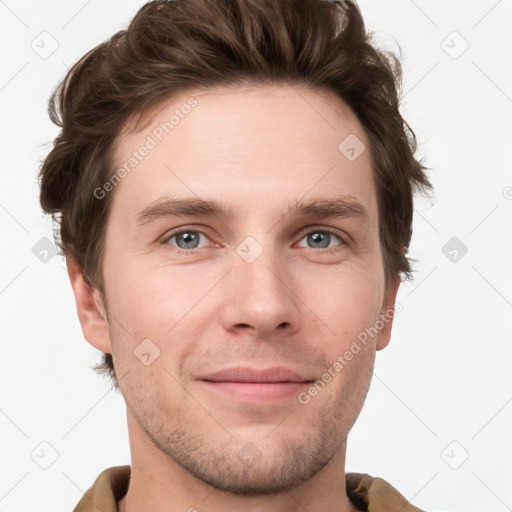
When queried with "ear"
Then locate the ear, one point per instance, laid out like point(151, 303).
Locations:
point(387, 314)
point(90, 308)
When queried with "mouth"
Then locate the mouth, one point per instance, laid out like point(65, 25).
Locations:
point(247, 384)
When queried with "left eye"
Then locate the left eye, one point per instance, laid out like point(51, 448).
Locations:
point(321, 239)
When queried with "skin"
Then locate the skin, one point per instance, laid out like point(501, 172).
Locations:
point(255, 149)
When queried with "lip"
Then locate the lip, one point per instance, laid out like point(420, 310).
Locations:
point(277, 374)
point(248, 384)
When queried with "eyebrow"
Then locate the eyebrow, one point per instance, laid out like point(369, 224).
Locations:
point(343, 207)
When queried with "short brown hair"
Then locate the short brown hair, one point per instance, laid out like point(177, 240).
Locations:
point(174, 45)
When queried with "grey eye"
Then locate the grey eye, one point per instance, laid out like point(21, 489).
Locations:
point(186, 239)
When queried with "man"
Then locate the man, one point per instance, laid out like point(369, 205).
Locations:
point(234, 183)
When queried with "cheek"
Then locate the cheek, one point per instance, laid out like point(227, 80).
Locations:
point(348, 309)
point(347, 299)
point(147, 314)
point(154, 302)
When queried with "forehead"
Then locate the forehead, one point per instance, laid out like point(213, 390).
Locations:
point(282, 142)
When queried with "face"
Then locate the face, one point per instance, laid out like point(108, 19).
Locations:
point(235, 308)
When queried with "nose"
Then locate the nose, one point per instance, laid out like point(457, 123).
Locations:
point(261, 296)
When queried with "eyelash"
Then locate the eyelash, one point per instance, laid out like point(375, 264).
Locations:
point(330, 250)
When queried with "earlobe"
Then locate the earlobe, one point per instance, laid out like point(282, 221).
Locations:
point(387, 315)
point(90, 308)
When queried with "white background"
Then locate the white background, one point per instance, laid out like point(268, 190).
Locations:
point(442, 389)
